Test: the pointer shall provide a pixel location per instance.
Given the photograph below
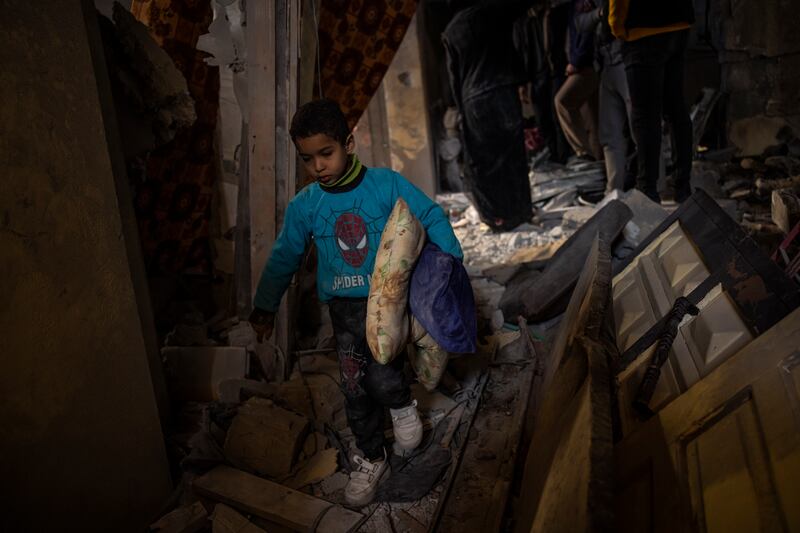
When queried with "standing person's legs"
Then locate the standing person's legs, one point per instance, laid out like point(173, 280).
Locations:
point(677, 114)
point(644, 67)
point(613, 116)
point(364, 411)
point(591, 119)
point(497, 172)
point(574, 93)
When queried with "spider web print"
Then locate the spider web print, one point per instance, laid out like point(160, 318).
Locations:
point(327, 241)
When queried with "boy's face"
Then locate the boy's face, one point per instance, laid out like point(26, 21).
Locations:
point(324, 157)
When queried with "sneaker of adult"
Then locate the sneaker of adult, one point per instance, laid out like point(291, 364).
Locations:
point(407, 426)
point(364, 480)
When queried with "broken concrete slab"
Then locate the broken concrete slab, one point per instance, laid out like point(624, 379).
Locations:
point(647, 215)
point(226, 520)
point(547, 296)
point(274, 502)
point(265, 438)
point(194, 373)
point(185, 519)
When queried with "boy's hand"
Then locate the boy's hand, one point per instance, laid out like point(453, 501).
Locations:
point(262, 322)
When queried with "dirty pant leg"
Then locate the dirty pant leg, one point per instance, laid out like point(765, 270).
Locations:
point(577, 90)
point(646, 83)
point(676, 114)
point(496, 174)
point(615, 105)
point(367, 385)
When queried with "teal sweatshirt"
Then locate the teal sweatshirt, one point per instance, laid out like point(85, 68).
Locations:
point(346, 224)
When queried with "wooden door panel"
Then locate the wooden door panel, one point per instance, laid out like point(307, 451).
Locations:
point(670, 267)
point(725, 455)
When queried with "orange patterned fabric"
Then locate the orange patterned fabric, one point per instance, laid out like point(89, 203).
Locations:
point(173, 200)
point(358, 39)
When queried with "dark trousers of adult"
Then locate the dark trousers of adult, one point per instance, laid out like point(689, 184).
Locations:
point(654, 66)
point(576, 106)
point(497, 171)
point(615, 112)
point(368, 386)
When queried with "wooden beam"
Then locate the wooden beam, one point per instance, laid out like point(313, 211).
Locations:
point(261, 133)
point(287, 36)
point(274, 502)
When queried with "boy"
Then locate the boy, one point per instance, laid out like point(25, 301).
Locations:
point(345, 212)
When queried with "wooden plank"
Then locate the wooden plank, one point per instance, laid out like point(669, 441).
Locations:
point(241, 260)
point(186, 519)
point(546, 296)
point(287, 35)
point(483, 480)
point(273, 502)
point(565, 380)
point(227, 520)
point(577, 493)
point(261, 133)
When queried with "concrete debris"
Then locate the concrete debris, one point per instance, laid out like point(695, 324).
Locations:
point(265, 438)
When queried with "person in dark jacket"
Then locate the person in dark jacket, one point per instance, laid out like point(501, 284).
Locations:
point(485, 73)
point(655, 36)
point(576, 101)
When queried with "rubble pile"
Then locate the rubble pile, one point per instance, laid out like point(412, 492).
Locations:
point(240, 430)
point(762, 192)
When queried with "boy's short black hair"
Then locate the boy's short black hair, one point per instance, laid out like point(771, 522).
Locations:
point(320, 116)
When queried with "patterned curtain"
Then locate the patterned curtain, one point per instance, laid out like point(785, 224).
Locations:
point(358, 39)
point(173, 201)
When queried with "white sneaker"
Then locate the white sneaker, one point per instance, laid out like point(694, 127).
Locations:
point(407, 426)
point(364, 481)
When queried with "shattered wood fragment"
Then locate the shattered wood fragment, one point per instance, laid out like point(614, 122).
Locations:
point(571, 448)
point(227, 520)
point(274, 502)
point(186, 519)
point(265, 438)
point(318, 467)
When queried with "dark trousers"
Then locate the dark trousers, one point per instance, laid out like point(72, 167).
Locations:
point(367, 385)
point(497, 170)
point(655, 68)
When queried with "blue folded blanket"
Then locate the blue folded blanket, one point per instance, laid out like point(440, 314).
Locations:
point(441, 299)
